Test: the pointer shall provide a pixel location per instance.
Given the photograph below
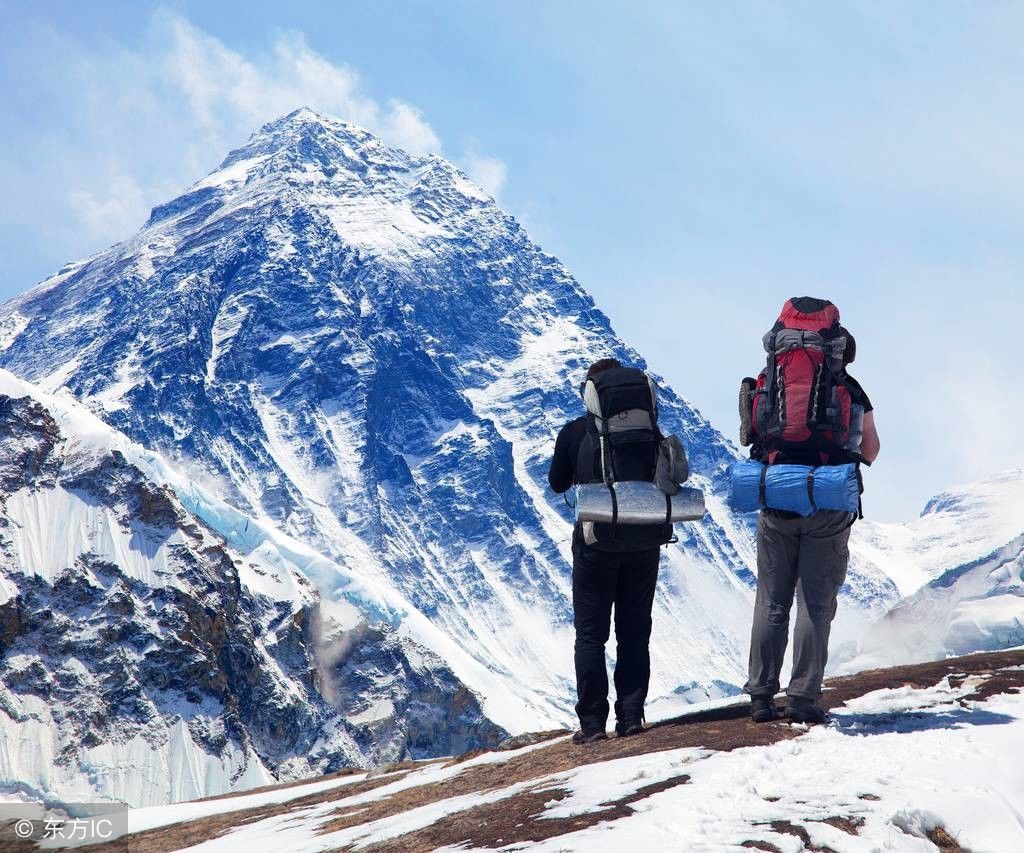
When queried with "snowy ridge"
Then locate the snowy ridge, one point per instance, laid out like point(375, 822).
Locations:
point(51, 535)
point(960, 566)
point(956, 527)
point(974, 607)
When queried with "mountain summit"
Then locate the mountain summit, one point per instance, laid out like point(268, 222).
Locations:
point(360, 348)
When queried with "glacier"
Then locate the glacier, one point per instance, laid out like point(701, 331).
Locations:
point(158, 647)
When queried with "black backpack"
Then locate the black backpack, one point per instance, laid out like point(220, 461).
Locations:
point(621, 443)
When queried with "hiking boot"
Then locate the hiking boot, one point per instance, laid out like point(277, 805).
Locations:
point(762, 709)
point(627, 728)
point(800, 709)
point(581, 738)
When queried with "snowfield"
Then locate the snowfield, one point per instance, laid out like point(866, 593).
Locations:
point(929, 758)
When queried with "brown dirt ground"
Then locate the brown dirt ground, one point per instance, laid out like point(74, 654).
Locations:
point(511, 820)
point(944, 841)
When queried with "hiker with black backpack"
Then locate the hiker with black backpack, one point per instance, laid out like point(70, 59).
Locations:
point(810, 426)
point(617, 441)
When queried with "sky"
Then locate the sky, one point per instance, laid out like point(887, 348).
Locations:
point(694, 165)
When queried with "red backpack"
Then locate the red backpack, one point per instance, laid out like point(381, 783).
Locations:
point(801, 401)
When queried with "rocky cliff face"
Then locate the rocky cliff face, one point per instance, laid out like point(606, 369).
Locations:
point(143, 659)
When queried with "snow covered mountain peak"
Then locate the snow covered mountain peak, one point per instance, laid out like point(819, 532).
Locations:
point(303, 122)
point(956, 527)
point(359, 348)
point(983, 497)
point(306, 141)
point(379, 199)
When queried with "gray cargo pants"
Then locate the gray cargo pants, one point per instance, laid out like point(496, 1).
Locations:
point(806, 557)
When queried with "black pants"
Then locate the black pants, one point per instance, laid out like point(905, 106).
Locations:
point(599, 581)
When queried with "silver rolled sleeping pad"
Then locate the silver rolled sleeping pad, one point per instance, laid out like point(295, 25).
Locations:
point(638, 503)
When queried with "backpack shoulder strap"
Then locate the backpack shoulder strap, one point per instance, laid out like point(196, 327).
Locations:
point(654, 400)
point(585, 472)
point(595, 445)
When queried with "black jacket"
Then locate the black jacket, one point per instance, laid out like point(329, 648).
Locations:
point(562, 473)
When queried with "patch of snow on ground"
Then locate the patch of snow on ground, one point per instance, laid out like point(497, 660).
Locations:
point(930, 756)
point(297, 830)
point(138, 820)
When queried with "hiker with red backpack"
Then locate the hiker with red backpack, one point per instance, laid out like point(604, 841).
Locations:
point(810, 426)
point(615, 563)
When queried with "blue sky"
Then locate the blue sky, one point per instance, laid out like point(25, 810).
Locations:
point(693, 164)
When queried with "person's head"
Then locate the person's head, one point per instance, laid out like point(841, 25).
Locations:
point(597, 367)
point(601, 365)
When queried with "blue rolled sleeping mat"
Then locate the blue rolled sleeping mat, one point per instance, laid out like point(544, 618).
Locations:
point(796, 488)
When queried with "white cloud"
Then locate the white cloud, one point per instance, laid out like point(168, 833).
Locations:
point(121, 128)
point(487, 172)
point(405, 127)
point(116, 208)
point(228, 92)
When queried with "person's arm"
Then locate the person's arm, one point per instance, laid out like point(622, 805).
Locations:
point(560, 474)
point(869, 444)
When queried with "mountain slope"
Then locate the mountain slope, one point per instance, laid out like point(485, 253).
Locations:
point(157, 646)
point(358, 347)
point(976, 606)
point(956, 527)
point(979, 605)
point(960, 565)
